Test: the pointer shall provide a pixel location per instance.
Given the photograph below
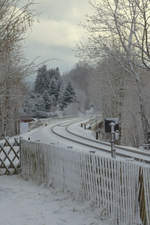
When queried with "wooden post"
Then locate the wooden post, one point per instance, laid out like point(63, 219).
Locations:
point(96, 135)
point(113, 150)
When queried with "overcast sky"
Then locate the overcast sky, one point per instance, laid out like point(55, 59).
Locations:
point(58, 31)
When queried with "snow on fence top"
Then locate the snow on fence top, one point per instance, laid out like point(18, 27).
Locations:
point(120, 189)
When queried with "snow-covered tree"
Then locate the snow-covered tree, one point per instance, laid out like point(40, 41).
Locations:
point(122, 26)
point(41, 80)
point(34, 103)
point(16, 17)
point(49, 86)
point(53, 88)
point(49, 80)
point(68, 97)
point(47, 100)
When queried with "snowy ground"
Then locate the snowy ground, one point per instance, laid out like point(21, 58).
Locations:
point(43, 134)
point(25, 203)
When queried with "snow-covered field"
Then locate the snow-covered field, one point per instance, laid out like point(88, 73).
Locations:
point(25, 203)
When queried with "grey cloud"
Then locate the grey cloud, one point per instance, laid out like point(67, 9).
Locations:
point(55, 36)
point(62, 9)
point(53, 55)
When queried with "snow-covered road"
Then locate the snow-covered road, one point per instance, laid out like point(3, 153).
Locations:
point(43, 133)
point(25, 203)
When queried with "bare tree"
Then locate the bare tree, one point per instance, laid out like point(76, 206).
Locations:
point(15, 19)
point(122, 25)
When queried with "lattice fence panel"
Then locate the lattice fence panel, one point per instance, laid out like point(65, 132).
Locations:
point(9, 156)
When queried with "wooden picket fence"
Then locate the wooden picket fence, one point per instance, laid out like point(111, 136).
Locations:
point(9, 156)
point(120, 189)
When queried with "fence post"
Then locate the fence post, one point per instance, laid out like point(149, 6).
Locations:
point(20, 141)
point(113, 150)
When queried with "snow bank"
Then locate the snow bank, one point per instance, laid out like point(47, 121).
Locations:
point(119, 189)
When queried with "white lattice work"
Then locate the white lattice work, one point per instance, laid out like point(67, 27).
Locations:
point(9, 156)
point(120, 189)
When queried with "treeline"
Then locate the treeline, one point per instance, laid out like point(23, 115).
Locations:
point(49, 94)
point(118, 45)
point(110, 90)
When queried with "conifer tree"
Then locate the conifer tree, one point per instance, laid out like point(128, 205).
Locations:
point(47, 100)
point(53, 89)
point(69, 96)
point(41, 80)
point(49, 87)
